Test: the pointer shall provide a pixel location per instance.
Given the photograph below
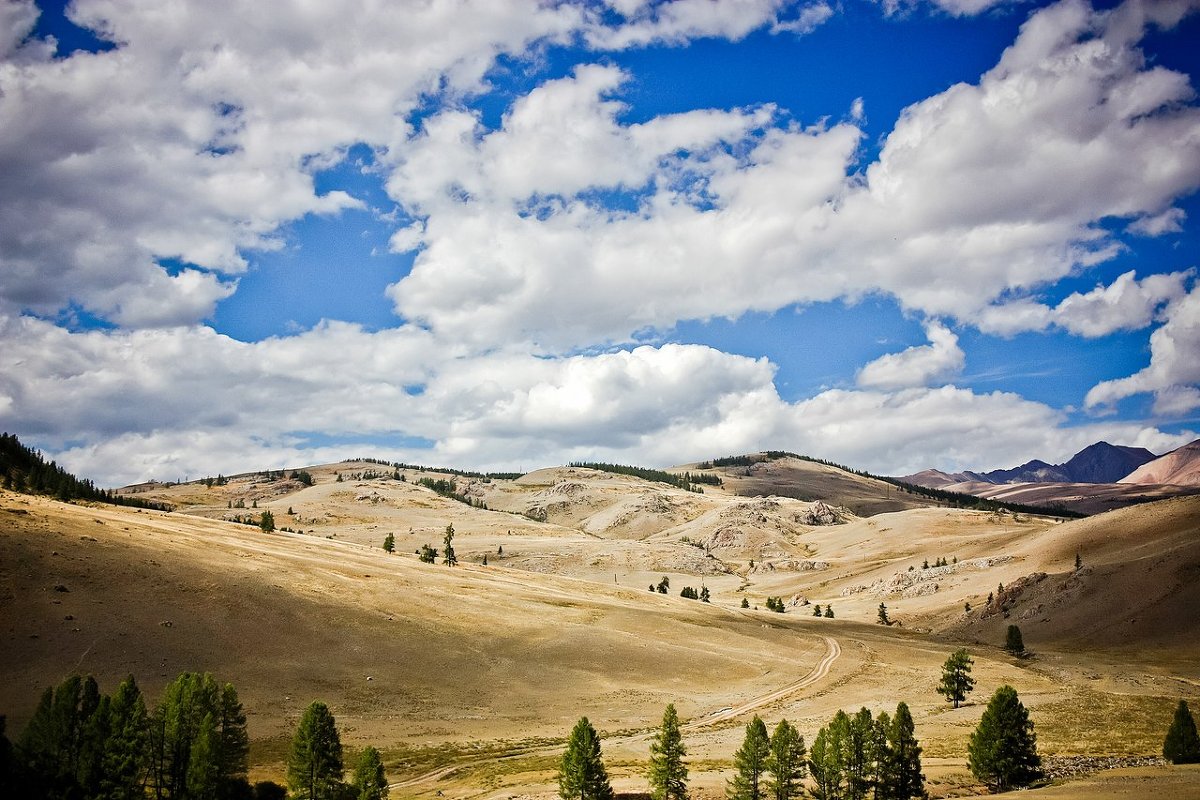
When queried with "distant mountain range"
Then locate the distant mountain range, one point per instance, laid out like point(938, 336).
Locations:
point(1098, 463)
point(1097, 478)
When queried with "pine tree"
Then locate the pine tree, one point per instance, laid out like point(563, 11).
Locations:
point(370, 780)
point(1182, 745)
point(883, 615)
point(1013, 642)
point(900, 769)
point(745, 602)
point(750, 761)
point(449, 559)
point(860, 755)
point(123, 764)
point(668, 774)
point(49, 745)
point(581, 773)
point(266, 521)
point(705, 596)
point(233, 738)
point(204, 768)
point(1002, 752)
point(314, 767)
point(816, 609)
point(829, 611)
point(956, 677)
point(389, 543)
point(827, 761)
point(785, 764)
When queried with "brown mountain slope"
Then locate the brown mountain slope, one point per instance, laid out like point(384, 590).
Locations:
point(1138, 588)
point(1083, 498)
point(1180, 467)
point(479, 662)
point(401, 650)
point(808, 480)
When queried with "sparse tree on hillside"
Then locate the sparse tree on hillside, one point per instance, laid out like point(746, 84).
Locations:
point(1013, 642)
point(883, 615)
point(267, 522)
point(745, 602)
point(750, 761)
point(956, 677)
point(668, 774)
point(816, 609)
point(314, 766)
point(1078, 561)
point(786, 763)
point(389, 543)
point(370, 780)
point(829, 611)
point(428, 554)
point(1002, 752)
point(449, 559)
point(581, 773)
point(705, 597)
point(664, 585)
point(1182, 745)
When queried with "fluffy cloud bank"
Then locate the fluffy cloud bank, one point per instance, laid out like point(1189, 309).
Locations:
point(973, 206)
point(144, 210)
point(188, 402)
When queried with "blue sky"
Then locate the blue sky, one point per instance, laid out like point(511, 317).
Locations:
point(959, 234)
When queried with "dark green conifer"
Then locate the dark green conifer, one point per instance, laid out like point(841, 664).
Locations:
point(750, 761)
point(581, 773)
point(1182, 745)
point(668, 774)
point(314, 766)
point(1002, 752)
point(370, 780)
point(786, 765)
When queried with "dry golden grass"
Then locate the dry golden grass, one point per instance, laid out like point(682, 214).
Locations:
point(469, 678)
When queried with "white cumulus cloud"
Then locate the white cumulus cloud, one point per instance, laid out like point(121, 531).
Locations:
point(937, 361)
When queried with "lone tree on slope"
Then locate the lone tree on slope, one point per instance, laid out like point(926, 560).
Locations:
point(1182, 745)
point(1013, 642)
point(1002, 752)
point(956, 677)
point(581, 774)
point(668, 774)
point(450, 559)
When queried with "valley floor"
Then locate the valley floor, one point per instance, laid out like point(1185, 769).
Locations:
point(469, 678)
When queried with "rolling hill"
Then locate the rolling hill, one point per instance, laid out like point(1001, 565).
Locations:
point(468, 678)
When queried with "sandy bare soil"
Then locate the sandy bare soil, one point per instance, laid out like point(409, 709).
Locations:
point(469, 678)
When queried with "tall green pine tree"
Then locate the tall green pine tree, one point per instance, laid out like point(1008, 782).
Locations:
point(1002, 752)
point(370, 780)
point(124, 761)
point(581, 773)
point(900, 775)
point(956, 677)
point(827, 760)
point(750, 761)
point(668, 774)
point(785, 764)
point(314, 767)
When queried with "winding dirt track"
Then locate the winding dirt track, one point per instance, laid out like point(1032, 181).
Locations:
point(832, 651)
